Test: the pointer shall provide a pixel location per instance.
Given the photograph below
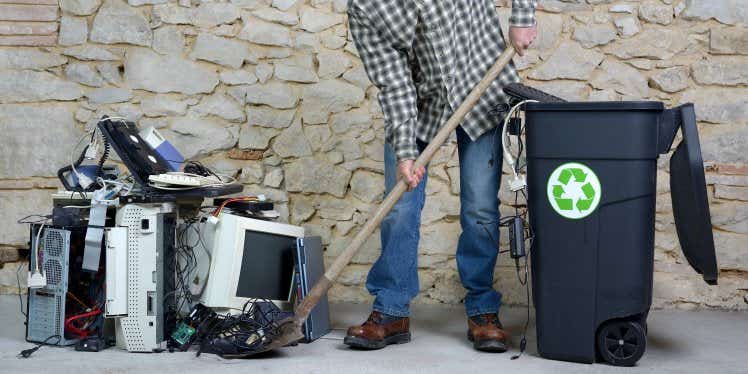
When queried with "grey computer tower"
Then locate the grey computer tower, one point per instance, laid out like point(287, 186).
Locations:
point(46, 305)
point(148, 319)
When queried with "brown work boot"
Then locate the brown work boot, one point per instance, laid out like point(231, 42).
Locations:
point(486, 333)
point(378, 331)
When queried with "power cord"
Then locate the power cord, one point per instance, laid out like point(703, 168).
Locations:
point(26, 353)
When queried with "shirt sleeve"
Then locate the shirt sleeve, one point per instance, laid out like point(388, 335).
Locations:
point(523, 13)
point(386, 62)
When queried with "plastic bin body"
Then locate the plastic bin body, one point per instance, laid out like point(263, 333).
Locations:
point(590, 270)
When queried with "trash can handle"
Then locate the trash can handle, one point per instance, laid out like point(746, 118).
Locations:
point(671, 120)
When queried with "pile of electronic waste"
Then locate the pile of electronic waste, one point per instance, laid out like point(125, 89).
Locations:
point(154, 257)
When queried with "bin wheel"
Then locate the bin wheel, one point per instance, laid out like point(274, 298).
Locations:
point(621, 343)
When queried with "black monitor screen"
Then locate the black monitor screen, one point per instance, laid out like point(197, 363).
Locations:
point(267, 266)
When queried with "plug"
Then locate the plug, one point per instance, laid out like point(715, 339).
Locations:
point(92, 150)
point(517, 238)
point(213, 220)
point(83, 180)
point(26, 353)
point(517, 182)
point(37, 280)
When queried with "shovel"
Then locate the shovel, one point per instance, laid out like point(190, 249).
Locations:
point(290, 328)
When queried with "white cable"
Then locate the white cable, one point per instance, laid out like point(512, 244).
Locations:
point(508, 158)
point(87, 134)
point(36, 248)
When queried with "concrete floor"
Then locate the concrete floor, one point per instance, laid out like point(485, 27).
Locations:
point(678, 342)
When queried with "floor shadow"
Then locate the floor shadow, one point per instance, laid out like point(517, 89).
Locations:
point(663, 343)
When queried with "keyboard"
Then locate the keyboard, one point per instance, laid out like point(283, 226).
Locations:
point(181, 179)
point(520, 92)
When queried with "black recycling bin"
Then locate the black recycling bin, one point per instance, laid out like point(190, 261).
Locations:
point(592, 170)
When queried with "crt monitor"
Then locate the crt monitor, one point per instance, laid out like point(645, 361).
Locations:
point(250, 259)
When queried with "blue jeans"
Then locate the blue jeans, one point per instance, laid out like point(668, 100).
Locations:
point(393, 280)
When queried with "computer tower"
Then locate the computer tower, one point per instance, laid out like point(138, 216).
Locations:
point(47, 305)
point(68, 304)
point(150, 276)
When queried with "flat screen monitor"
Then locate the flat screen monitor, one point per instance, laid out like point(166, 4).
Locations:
point(267, 266)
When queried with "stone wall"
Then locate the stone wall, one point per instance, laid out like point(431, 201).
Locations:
point(272, 91)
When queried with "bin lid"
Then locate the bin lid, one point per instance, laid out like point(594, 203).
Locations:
point(690, 203)
point(596, 106)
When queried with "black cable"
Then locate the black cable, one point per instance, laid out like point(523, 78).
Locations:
point(249, 332)
point(20, 299)
point(104, 158)
point(26, 353)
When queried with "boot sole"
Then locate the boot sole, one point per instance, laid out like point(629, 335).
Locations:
point(361, 343)
point(495, 346)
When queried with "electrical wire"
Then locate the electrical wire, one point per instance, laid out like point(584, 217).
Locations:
point(218, 210)
point(26, 353)
point(510, 160)
point(37, 246)
point(20, 298)
point(246, 333)
point(81, 331)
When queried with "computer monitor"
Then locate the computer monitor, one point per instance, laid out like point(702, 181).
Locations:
point(250, 259)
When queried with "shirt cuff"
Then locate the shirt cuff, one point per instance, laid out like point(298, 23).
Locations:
point(523, 14)
point(404, 141)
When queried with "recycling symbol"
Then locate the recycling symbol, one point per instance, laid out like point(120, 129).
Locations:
point(574, 190)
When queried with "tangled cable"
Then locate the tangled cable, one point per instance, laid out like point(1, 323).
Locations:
point(244, 334)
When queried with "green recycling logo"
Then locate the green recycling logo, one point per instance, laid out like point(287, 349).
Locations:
point(574, 190)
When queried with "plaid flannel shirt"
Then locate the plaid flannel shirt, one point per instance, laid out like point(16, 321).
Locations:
point(425, 56)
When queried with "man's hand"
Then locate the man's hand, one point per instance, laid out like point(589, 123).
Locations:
point(412, 177)
point(522, 37)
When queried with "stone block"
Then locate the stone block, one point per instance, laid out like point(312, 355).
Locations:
point(198, 137)
point(255, 137)
point(222, 51)
point(292, 142)
point(733, 40)
point(655, 43)
point(622, 78)
point(653, 11)
point(593, 35)
point(569, 61)
point(367, 186)
point(671, 80)
point(266, 33)
point(731, 12)
point(109, 95)
point(718, 105)
point(73, 31)
point(80, 7)
point(47, 129)
point(328, 96)
point(28, 12)
point(116, 22)
point(315, 20)
point(34, 86)
point(163, 105)
point(149, 71)
point(316, 175)
point(29, 58)
point(168, 40)
point(721, 70)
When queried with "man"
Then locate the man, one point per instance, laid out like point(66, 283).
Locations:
point(425, 56)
